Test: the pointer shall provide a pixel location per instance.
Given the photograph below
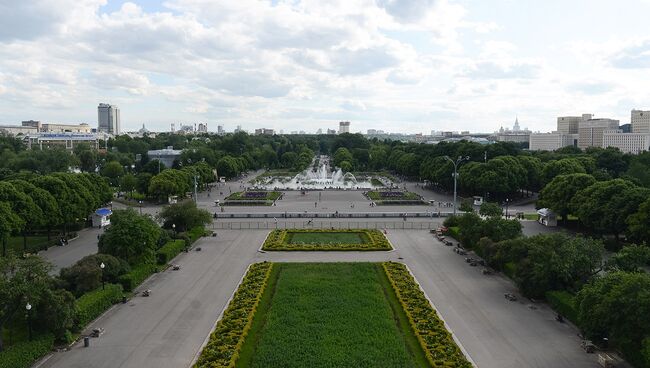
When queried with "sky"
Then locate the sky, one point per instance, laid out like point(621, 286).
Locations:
point(398, 65)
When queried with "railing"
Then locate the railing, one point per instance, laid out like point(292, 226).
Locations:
point(246, 225)
point(330, 215)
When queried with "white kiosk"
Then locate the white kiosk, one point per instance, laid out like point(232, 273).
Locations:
point(547, 217)
point(101, 217)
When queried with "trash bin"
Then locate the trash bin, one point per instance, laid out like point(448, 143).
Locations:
point(123, 299)
point(86, 341)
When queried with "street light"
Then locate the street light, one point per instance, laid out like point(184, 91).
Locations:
point(174, 228)
point(507, 201)
point(28, 307)
point(102, 266)
point(456, 163)
point(140, 202)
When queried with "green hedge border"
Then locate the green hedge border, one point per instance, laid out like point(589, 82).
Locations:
point(270, 196)
point(222, 349)
point(92, 304)
point(137, 275)
point(277, 241)
point(24, 354)
point(170, 250)
point(438, 345)
point(564, 303)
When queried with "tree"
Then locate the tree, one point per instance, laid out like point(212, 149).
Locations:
point(617, 306)
point(45, 201)
point(490, 209)
point(342, 154)
point(228, 166)
point(552, 262)
point(131, 237)
point(466, 205)
point(629, 259)
point(184, 215)
point(605, 206)
point(558, 194)
point(21, 281)
point(56, 312)
point(128, 183)
point(169, 182)
point(23, 206)
point(87, 160)
point(87, 275)
point(639, 224)
point(9, 222)
point(564, 166)
point(113, 171)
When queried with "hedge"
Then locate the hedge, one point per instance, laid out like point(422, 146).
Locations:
point(92, 304)
point(196, 233)
point(24, 354)
point(563, 302)
point(170, 250)
point(138, 274)
point(277, 240)
point(438, 345)
point(222, 349)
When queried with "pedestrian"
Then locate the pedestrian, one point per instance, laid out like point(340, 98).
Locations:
point(315, 204)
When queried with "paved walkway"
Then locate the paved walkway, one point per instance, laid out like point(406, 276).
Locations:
point(168, 328)
point(85, 244)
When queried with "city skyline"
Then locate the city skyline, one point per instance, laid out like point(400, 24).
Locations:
point(417, 65)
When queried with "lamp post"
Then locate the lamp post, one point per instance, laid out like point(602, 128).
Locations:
point(28, 307)
point(456, 163)
point(140, 202)
point(102, 266)
point(507, 201)
point(174, 229)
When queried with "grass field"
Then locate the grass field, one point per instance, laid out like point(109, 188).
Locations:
point(34, 243)
point(326, 238)
point(330, 315)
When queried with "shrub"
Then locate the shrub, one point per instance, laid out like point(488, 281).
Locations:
point(86, 275)
point(437, 343)
point(91, 305)
point(564, 303)
point(138, 274)
point(24, 354)
point(222, 350)
point(451, 221)
point(196, 233)
point(169, 251)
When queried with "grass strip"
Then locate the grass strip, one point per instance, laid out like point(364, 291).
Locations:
point(329, 315)
point(440, 348)
point(222, 349)
point(326, 240)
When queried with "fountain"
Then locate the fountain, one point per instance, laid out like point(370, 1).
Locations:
point(316, 177)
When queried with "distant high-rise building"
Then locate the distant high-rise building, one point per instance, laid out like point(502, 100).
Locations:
point(331, 131)
point(344, 127)
point(203, 128)
point(108, 119)
point(238, 129)
point(640, 121)
point(264, 131)
point(570, 124)
point(220, 130)
point(590, 132)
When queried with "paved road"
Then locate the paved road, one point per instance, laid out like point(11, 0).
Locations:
point(76, 249)
point(168, 328)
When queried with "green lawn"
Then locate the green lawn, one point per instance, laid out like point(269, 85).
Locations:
point(330, 315)
point(326, 238)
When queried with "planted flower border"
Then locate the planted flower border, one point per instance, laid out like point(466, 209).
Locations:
point(222, 349)
point(277, 240)
point(254, 195)
point(438, 345)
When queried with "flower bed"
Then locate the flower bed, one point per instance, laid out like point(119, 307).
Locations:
point(222, 350)
point(257, 195)
point(372, 240)
point(436, 341)
point(393, 197)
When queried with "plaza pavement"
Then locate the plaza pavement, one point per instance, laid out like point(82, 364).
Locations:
point(64, 256)
point(168, 328)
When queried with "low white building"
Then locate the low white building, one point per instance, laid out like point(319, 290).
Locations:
point(626, 142)
point(166, 156)
point(15, 130)
point(551, 141)
point(67, 140)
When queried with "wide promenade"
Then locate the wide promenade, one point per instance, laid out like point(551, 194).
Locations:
point(168, 328)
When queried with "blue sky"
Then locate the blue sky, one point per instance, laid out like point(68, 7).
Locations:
point(396, 65)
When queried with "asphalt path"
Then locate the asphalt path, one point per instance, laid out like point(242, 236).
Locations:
point(63, 256)
point(168, 328)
